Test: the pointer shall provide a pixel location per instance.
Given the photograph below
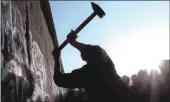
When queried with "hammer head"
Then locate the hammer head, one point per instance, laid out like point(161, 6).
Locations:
point(98, 10)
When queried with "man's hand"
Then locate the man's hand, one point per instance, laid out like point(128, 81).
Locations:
point(71, 37)
point(56, 53)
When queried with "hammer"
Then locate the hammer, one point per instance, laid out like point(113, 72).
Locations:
point(97, 11)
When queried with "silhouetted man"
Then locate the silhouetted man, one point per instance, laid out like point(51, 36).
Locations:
point(135, 85)
point(165, 82)
point(98, 77)
point(126, 80)
point(144, 87)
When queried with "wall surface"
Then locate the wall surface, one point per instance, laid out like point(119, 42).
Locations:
point(26, 60)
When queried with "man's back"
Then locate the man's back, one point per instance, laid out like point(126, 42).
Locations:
point(100, 79)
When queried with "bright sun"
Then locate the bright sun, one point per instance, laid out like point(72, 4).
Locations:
point(143, 50)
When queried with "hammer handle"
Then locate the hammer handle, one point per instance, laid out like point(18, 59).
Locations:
point(78, 29)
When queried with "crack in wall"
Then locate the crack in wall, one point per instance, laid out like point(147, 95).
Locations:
point(27, 36)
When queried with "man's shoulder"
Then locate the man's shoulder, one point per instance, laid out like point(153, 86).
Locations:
point(82, 69)
point(93, 46)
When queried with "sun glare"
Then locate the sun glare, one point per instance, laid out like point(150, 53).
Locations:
point(143, 50)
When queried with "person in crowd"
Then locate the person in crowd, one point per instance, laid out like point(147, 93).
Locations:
point(165, 82)
point(126, 80)
point(144, 84)
point(155, 85)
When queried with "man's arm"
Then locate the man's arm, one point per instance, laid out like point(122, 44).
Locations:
point(56, 55)
point(67, 80)
point(78, 45)
point(72, 40)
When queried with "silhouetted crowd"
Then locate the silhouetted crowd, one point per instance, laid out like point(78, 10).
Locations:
point(153, 86)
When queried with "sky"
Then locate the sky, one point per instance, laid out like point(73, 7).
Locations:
point(135, 34)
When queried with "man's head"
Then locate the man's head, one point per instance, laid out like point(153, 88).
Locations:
point(90, 53)
point(84, 56)
point(134, 78)
point(125, 79)
point(165, 68)
point(86, 52)
point(142, 74)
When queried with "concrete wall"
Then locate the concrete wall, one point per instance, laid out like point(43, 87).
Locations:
point(27, 40)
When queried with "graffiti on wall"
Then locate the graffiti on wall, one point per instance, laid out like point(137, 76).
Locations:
point(19, 79)
point(16, 79)
point(38, 66)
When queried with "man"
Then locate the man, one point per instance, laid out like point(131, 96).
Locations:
point(126, 80)
point(165, 82)
point(144, 84)
point(98, 77)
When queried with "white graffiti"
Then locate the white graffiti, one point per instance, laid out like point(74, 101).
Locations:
point(11, 67)
point(18, 36)
point(5, 2)
point(11, 31)
point(38, 67)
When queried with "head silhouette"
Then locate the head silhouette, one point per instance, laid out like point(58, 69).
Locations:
point(90, 53)
point(164, 67)
point(135, 79)
point(125, 79)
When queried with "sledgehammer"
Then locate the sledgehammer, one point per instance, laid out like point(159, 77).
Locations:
point(97, 11)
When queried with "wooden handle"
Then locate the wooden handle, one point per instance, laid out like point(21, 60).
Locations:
point(78, 29)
